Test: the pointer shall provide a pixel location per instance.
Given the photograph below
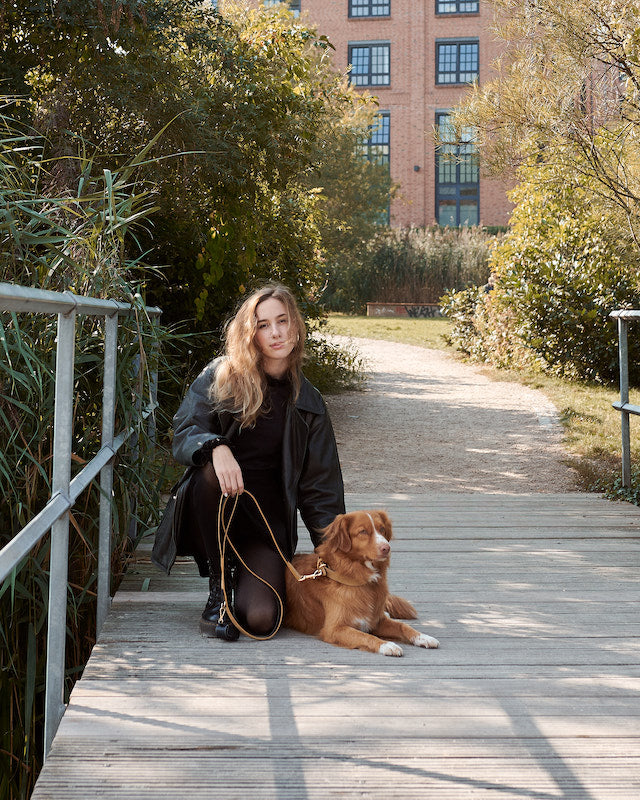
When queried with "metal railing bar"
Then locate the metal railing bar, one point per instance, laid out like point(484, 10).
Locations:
point(106, 473)
point(24, 298)
point(89, 471)
point(624, 317)
point(54, 517)
point(13, 552)
point(625, 313)
point(628, 408)
point(37, 528)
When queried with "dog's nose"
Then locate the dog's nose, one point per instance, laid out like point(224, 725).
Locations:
point(385, 549)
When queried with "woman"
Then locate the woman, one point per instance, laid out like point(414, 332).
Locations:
point(251, 420)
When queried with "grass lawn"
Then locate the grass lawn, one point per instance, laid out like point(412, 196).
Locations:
point(423, 332)
point(592, 426)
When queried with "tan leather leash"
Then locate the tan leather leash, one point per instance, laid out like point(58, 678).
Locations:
point(322, 570)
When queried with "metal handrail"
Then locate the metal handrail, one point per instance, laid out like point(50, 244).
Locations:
point(54, 516)
point(624, 317)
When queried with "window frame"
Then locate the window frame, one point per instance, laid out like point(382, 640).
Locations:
point(457, 10)
point(459, 185)
point(365, 151)
point(294, 11)
point(370, 5)
point(458, 43)
point(370, 45)
point(376, 130)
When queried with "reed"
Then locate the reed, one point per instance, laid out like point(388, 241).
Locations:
point(80, 240)
point(411, 265)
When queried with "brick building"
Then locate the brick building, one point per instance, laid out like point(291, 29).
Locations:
point(418, 57)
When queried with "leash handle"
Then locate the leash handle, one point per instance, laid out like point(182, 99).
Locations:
point(224, 539)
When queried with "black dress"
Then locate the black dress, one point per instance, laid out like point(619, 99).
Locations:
point(258, 451)
point(261, 570)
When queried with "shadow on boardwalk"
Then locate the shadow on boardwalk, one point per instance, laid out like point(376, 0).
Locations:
point(534, 693)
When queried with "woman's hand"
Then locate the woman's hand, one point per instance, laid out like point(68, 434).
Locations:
point(227, 470)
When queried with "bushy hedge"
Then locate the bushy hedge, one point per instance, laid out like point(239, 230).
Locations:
point(411, 265)
point(332, 368)
point(562, 268)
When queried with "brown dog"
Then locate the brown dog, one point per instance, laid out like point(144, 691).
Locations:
point(349, 603)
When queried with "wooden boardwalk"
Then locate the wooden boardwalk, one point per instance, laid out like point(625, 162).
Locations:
point(534, 693)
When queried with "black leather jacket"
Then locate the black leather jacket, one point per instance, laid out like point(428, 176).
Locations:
point(312, 478)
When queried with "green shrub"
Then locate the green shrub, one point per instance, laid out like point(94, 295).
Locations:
point(562, 268)
point(332, 368)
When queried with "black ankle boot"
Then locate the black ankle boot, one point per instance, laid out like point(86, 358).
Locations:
point(212, 609)
point(211, 625)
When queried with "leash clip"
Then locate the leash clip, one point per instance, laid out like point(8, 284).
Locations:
point(320, 571)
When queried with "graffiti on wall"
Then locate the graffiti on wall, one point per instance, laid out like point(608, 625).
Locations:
point(423, 311)
point(416, 310)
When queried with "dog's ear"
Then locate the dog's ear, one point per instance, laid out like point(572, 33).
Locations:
point(337, 534)
point(385, 519)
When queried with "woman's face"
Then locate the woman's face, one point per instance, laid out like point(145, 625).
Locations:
point(274, 336)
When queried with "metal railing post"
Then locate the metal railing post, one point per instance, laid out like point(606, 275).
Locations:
point(106, 473)
point(623, 352)
point(54, 517)
point(58, 570)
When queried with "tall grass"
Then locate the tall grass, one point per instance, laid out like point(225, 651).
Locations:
point(79, 240)
point(412, 265)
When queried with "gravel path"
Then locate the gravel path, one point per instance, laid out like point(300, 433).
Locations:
point(428, 422)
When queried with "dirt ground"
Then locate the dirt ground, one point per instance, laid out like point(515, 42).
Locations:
point(428, 422)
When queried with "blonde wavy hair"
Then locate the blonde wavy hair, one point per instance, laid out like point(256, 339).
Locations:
point(240, 382)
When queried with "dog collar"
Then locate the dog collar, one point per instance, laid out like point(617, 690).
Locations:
point(324, 571)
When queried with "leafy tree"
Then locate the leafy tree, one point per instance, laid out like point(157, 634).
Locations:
point(566, 94)
point(257, 116)
point(562, 116)
point(562, 268)
point(354, 195)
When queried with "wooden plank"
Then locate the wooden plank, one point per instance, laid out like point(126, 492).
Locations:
point(619, 748)
point(603, 685)
point(406, 704)
point(534, 692)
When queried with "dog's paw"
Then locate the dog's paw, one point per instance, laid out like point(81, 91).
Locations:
point(422, 640)
point(390, 649)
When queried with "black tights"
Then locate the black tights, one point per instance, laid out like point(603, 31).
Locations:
point(256, 606)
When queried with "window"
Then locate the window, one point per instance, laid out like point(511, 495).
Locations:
point(457, 6)
point(294, 5)
point(457, 176)
point(376, 147)
point(457, 62)
point(369, 8)
point(370, 64)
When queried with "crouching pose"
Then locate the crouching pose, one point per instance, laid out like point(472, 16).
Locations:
point(251, 421)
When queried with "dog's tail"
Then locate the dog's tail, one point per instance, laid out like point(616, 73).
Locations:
point(399, 608)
